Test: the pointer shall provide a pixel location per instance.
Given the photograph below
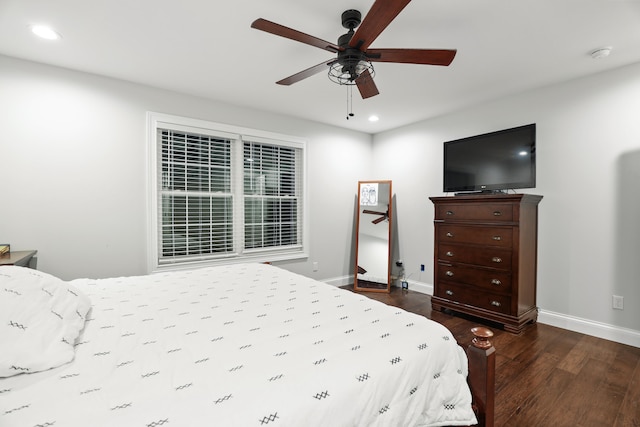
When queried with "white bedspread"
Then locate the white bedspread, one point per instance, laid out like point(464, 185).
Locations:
point(244, 345)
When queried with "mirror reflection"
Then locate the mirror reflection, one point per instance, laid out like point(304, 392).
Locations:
point(373, 237)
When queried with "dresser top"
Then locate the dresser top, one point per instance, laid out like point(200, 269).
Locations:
point(490, 198)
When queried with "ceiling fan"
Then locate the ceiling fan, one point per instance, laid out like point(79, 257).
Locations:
point(352, 64)
point(385, 215)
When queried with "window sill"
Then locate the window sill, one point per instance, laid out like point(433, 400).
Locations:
point(176, 265)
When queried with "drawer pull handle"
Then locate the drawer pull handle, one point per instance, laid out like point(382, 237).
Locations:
point(449, 273)
point(449, 253)
point(495, 303)
point(496, 282)
point(448, 292)
point(449, 212)
point(497, 238)
point(497, 213)
point(496, 259)
point(449, 234)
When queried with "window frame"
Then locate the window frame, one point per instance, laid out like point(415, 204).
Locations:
point(238, 135)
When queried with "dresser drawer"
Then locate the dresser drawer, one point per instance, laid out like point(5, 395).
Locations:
point(474, 212)
point(475, 297)
point(476, 255)
point(490, 236)
point(491, 280)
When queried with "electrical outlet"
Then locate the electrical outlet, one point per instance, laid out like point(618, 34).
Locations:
point(618, 302)
point(421, 267)
point(315, 266)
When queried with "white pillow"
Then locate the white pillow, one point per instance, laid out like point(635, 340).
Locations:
point(40, 318)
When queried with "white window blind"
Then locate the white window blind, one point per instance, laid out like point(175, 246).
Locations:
point(272, 196)
point(195, 195)
point(219, 196)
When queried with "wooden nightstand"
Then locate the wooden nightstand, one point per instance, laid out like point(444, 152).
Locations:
point(20, 258)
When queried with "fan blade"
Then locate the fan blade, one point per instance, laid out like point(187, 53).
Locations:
point(379, 220)
point(378, 18)
point(373, 212)
point(306, 73)
point(366, 85)
point(412, 56)
point(289, 33)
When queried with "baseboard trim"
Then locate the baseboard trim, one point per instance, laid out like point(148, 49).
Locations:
point(423, 288)
point(590, 327)
point(339, 281)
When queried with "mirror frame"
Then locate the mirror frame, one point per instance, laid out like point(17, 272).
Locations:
point(356, 285)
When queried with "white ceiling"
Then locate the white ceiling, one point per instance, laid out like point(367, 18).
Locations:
point(207, 48)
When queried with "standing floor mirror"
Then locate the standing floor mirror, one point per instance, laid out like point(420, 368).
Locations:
point(373, 237)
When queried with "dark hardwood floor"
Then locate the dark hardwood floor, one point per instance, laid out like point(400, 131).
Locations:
point(548, 376)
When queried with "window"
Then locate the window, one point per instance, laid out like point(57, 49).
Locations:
point(222, 194)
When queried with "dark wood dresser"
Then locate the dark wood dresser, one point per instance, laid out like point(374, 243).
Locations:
point(485, 257)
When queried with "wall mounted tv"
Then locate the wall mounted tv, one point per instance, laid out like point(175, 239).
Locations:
point(491, 162)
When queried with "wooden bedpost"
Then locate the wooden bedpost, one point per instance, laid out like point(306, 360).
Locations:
point(482, 375)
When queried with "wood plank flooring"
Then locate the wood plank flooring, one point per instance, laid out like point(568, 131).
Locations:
point(548, 376)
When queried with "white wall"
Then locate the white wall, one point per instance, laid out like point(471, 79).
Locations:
point(588, 170)
point(73, 168)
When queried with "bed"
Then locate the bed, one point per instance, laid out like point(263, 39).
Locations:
point(237, 345)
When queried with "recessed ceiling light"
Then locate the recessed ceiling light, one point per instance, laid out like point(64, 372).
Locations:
point(45, 32)
point(374, 118)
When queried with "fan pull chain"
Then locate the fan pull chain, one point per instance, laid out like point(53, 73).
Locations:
point(349, 101)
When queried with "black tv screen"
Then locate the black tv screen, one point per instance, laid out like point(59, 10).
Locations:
point(491, 162)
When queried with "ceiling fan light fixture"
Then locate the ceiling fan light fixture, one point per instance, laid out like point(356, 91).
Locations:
point(342, 74)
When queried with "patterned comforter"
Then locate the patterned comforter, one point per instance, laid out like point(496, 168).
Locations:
point(244, 345)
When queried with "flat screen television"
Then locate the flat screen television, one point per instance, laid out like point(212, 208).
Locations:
point(491, 162)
